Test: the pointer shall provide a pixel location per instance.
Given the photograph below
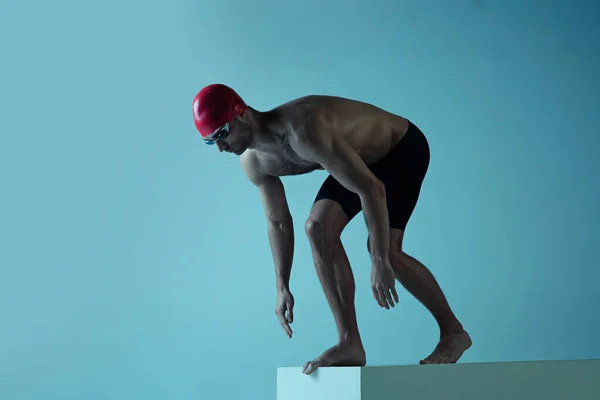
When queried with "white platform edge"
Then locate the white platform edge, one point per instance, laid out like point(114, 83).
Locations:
point(515, 380)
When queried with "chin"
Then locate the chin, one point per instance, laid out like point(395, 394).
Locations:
point(241, 150)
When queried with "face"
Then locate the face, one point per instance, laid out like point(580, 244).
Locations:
point(231, 138)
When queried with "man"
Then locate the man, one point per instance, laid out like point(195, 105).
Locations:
point(376, 161)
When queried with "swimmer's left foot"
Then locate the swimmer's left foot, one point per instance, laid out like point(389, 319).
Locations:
point(449, 349)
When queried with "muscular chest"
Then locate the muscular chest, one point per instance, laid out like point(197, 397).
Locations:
point(285, 161)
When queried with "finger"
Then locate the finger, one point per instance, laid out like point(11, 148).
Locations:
point(286, 328)
point(385, 300)
point(395, 294)
point(382, 299)
point(284, 323)
point(290, 313)
point(388, 297)
point(376, 297)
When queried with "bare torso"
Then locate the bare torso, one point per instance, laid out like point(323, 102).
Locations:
point(369, 130)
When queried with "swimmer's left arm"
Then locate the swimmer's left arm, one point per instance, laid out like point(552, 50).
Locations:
point(336, 156)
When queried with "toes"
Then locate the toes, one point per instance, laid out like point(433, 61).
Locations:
point(305, 367)
point(447, 359)
point(434, 359)
point(310, 367)
point(443, 355)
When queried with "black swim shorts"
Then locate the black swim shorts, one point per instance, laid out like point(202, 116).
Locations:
point(402, 171)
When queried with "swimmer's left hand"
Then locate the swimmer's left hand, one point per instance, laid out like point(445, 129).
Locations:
point(383, 284)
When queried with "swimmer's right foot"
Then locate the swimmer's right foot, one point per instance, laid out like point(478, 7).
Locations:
point(346, 354)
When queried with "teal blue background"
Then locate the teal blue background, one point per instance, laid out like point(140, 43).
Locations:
point(135, 262)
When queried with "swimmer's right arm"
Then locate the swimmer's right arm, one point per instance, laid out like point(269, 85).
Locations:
point(281, 237)
point(280, 228)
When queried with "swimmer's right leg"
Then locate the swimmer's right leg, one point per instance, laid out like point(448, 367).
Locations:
point(324, 227)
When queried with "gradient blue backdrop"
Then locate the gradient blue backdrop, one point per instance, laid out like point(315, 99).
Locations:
point(135, 261)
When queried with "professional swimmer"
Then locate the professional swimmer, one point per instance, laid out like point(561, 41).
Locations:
point(376, 162)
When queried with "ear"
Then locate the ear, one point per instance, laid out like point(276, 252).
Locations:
point(239, 109)
point(243, 117)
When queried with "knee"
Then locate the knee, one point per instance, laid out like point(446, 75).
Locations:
point(321, 231)
point(312, 226)
point(316, 229)
point(325, 223)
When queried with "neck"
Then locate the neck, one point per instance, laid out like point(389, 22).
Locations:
point(267, 128)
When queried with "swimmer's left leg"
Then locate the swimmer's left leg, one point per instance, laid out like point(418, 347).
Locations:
point(420, 282)
point(403, 172)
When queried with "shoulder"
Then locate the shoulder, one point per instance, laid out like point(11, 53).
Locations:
point(250, 163)
point(314, 135)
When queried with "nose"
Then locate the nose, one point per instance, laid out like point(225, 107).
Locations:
point(220, 146)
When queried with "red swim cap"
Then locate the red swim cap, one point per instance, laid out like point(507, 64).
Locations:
point(214, 106)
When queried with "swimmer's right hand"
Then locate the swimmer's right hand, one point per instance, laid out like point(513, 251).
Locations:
point(284, 310)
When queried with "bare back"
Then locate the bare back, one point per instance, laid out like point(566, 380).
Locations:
point(369, 130)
